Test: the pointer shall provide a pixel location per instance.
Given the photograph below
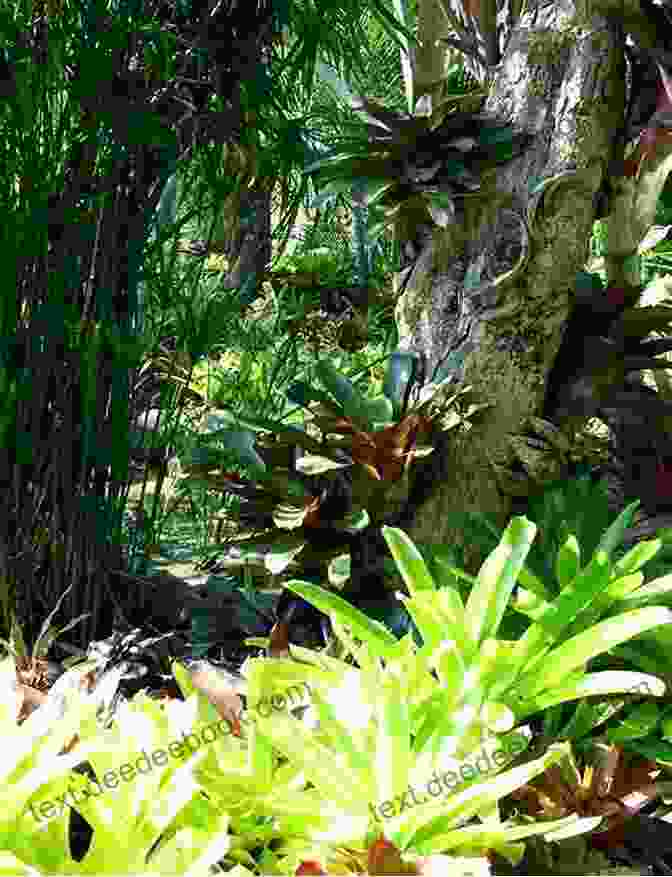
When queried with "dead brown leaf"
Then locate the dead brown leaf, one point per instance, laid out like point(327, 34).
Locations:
point(221, 694)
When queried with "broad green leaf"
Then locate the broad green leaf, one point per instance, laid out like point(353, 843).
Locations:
point(439, 617)
point(568, 562)
point(643, 654)
point(461, 729)
point(561, 613)
point(639, 721)
point(624, 586)
point(449, 573)
point(376, 635)
point(653, 748)
point(344, 787)
point(576, 652)
point(379, 192)
point(482, 837)
point(431, 713)
point(342, 390)
point(497, 717)
point(220, 419)
point(393, 754)
point(378, 411)
point(183, 679)
point(528, 603)
point(658, 591)
point(526, 577)
point(239, 441)
point(497, 578)
point(311, 464)
point(409, 562)
point(603, 604)
point(533, 583)
point(638, 555)
point(303, 394)
point(399, 376)
point(497, 666)
point(334, 729)
point(339, 570)
point(615, 533)
point(588, 715)
point(330, 161)
point(447, 660)
point(462, 806)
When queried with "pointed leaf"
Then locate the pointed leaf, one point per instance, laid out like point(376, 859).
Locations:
point(568, 562)
point(339, 570)
point(399, 377)
point(341, 389)
point(410, 562)
point(638, 555)
point(378, 411)
point(579, 685)
point(358, 519)
point(376, 635)
point(312, 464)
point(658, 591)
point(615, 533)
point(281, 555)
point(641, 720)
point(576, 652)
point(588, 715)
point(558, 615)
point(497, 578)
point(379, 191)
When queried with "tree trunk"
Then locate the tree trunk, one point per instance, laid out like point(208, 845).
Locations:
point(495, 293)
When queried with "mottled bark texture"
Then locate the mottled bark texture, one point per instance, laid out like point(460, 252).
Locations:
point(495, 292)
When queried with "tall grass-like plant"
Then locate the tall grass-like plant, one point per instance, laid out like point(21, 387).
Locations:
point(67, 347)
point(87, 156)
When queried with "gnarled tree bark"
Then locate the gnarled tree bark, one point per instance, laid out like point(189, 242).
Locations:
point(495, 292)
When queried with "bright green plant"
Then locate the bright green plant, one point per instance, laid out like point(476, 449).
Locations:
point(366, 752)
point(153, 819)
point(400, 714)
point(575, 506)
point(222, 798)
point(576, 514)
point(420, 707)
point(593, 612)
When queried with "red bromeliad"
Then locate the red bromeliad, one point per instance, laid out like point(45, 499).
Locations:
point(653, 134)
point(384, 859)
